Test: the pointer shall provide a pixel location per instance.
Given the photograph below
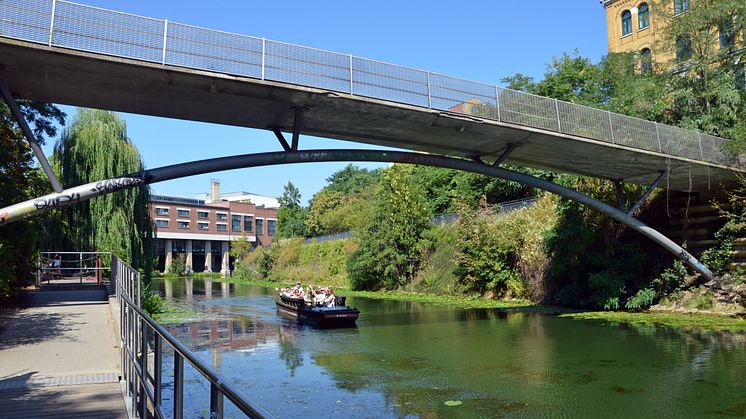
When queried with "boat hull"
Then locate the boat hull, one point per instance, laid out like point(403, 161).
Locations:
point(295, 308)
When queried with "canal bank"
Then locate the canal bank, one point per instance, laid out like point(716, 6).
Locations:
point(697, 319)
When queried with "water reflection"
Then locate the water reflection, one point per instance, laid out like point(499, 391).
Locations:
point(408, 359)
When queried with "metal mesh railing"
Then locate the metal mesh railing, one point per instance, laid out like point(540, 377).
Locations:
point(70, 25)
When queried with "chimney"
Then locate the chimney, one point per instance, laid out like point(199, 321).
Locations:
point(215, 190)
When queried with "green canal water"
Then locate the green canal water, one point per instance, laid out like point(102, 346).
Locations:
point(418, 360)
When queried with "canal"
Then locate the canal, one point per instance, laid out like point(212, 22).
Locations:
point(420, 360)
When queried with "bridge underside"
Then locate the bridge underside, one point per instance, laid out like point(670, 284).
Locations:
point(56, 75)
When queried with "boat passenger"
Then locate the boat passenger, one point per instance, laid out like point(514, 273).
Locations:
point(330, 300)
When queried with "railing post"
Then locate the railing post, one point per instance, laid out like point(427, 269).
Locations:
point(51, 23)
point(143, 368)
point(429, 95)
point(157, 369)
point(497, 101)
point(98, 269)
point(351, 91)
point(178, 385)
point(264, 49)
point(658, 137)
point(80, 267)
point(611, 128)
point(556, 109)
point(165, 38)
point(216, 402)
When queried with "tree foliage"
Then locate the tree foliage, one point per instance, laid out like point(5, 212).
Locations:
point(291, 216)
point(94, 147)
point(388, 253)
point(19, 181)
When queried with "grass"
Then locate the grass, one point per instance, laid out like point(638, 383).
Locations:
point(173, 313)
point(689, 321)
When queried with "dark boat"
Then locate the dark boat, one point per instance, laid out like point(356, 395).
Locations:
point(339, 316)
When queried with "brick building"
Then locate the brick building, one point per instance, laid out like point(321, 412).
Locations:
point(202, 229)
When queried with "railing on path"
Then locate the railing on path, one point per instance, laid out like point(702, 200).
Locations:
point(65, 267)
point(139, 335)
point(64, 24)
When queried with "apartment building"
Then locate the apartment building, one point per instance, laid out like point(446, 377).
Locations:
point(202, 229)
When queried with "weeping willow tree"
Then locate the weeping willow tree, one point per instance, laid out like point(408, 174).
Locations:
point(93, 147)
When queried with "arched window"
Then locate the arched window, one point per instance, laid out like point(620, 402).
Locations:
point(643, 16)
point(683, 48)
point(626, 23)
point(646, 61)
point(680, 6)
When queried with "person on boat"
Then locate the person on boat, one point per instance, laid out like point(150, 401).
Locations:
point(320, 297)
point(330, 299)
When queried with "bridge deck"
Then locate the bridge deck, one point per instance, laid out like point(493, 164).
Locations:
point(59, 357)
point(91, 57)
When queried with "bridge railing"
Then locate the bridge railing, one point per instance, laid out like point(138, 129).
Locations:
point(140, 336)
point(65, 267)
point(64, 24)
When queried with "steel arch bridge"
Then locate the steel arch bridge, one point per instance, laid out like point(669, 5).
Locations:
point(91, 190)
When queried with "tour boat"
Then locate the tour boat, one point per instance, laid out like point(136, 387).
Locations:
point(296, 308)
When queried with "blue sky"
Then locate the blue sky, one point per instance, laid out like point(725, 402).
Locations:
point(478, 40)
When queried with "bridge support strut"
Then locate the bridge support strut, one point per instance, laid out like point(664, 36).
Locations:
point(94, 189)
point(26, 130)
point(647, 193)
point(297, 125)
point(505, 154)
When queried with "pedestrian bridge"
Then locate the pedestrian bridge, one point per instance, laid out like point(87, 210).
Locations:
point(66, 53)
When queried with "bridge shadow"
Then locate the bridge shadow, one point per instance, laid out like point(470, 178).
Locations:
point(19, 398)
point(29, 328)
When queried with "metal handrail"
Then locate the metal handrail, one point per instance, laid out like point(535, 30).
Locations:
point(143, 389)
point(511, 107)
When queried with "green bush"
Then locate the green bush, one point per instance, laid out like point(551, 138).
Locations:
point(178, 265)
point(642, 300)
point(505, 254)
point(437, 273)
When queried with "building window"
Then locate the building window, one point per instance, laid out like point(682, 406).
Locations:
point(223, 216)
point(182, 224)
point(680, 6)
point(646, 61)
point(161, 211)
point(161, 223)
point(271, 226)
point(178, 246)
point(248, 223)
point(198, 247)
point(683, 48)
point(183, 213)
point(235, 223)
point(221, 226)
point(727, 34)
point(643, 16)
point(203, 214)
point(626, 23)
point(259, 226)
point(203, 226)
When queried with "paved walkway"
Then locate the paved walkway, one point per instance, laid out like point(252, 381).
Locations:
point(59, 357)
